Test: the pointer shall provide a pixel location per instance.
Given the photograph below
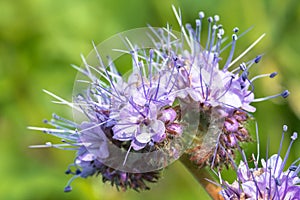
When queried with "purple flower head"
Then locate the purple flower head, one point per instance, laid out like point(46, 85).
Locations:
point(140, 109)
point(219, 88)
point(271, 180)
point(87, 163)
point(179, 97)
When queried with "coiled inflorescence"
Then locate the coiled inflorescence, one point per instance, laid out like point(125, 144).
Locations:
point(179, 97)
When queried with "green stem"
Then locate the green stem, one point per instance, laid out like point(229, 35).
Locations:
point(201, 175)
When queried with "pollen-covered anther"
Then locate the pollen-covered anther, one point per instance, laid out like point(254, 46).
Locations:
point(236, 30)
point(272, 75)
point(285, 93)
point(201, 15)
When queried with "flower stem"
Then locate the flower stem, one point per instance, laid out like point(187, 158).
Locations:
point(201, 175)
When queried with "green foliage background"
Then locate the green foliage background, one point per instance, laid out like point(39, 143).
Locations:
point(40, 39)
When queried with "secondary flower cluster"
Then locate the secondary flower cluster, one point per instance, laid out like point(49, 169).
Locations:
point(177, 98)
point(268, 181)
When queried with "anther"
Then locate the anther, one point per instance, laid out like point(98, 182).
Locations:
point(285, 93)
point(49, 144)
point(277, 181)
point(293, 168)
point(272, 75)
point(188, 26)
point(151, 51)
point(245, 76)
point(236, 29)
point(258, 58)
point(68, 188)
point(243, 66)
point(234, 37)
point(78, 171)
point(294, 136)
point(216, 18)
point(210, 19)
point(201, 15)
point(285, 128)
point(221, 31)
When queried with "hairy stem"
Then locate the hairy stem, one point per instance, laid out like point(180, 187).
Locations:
point(201, 175)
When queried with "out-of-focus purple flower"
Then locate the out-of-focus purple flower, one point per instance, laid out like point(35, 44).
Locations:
point(271, 180)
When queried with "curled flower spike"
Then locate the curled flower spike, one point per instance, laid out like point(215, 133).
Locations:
point(218, 92)
point(87, 164)
point(267, 181)
point(177, 98)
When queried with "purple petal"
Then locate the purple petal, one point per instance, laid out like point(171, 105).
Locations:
point(168, 115)
point(136, 145)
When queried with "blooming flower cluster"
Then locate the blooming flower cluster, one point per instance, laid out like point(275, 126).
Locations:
point(220, 95)
point(176, 99)
point(268, 181)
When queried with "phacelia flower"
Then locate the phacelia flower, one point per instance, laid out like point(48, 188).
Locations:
point(88, 164)
point(176, 99)
point(222, 95)
point(270, 180)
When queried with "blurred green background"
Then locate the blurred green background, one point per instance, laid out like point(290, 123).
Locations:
point(40, 39)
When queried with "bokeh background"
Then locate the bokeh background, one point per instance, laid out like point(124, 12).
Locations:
point(40, 39)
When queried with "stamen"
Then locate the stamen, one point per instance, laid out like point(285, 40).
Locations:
point(127, 154)
point(192, 37)
point(57, 146)
point(229, 59)
point(68, 188)
point(284, 94)
point(219, 39)
point(271, 75)
point(215, 152)
point(293, 138)
point(210, 20)
point(284, 129)
point(157, 87)
point(198, 30)
point(286, 184)
point(214, 30)
point(258, 192)
point(201, 82)
point(199, 26)
point(67, 122)
point(140, 65)
point(134, 107)
point(277, 184)
point(227, 88)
